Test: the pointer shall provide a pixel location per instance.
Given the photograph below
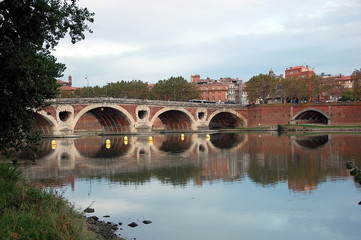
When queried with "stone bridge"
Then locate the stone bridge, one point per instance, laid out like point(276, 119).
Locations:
point(66, 117)
point(71, 116)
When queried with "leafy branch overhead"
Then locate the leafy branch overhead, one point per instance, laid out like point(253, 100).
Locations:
point(29, 30)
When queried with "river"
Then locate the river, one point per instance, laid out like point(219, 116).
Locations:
point(216, 186)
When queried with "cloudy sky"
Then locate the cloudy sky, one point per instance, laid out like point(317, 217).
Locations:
point(151, 40)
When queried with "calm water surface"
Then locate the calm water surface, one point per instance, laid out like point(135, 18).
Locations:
point(222, 186)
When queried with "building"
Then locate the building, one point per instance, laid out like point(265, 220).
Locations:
point(299, 71)
point(214, 91)
point(345, 81)
point(340, 83)
point(223, 90)
point(66, 86)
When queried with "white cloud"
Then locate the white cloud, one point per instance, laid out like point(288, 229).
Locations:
point(155, 39)
point(92, 48)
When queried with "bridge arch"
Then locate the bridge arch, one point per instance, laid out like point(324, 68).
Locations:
point(113, 119)
point(44, 123)
point(173, 119)
point(311, 115)
point(226, 119)
point(312, 142)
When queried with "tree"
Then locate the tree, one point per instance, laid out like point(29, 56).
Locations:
point(29, 31)
point(356, 83)
point(307, 88)
point(347, 95)
point(174, 89)
point(319, 86)
point(135, 89)
point(262, 87)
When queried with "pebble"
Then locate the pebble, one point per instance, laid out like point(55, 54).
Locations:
point(132, 224)
point(89, 210)
point(95, 218)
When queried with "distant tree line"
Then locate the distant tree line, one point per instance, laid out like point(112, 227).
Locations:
point(172, 89)
point(265, 87)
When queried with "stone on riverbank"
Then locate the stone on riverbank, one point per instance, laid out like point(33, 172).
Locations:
point(132, 224)
point(103, 230)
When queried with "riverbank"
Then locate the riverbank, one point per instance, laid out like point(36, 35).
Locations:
point(30, 212)
point(317, 128)
point(296, 128)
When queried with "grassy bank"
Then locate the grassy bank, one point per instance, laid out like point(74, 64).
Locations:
point(28, 212)
point(318, 128)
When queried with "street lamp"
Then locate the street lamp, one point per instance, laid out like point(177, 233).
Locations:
point(87, 84)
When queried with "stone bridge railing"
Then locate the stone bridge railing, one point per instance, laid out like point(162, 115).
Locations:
point(141, 102)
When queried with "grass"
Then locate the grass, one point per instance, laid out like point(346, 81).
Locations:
point(320, 126)
point(28, 212)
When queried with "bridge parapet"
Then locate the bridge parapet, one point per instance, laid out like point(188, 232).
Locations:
point(74, 101)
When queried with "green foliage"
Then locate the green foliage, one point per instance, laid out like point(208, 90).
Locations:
point(28, 212)
point(355, 171)
point(348, 95)
point(262, 87)
point(295, 89)
point(356, 83)
point(135, 89)
point(89, 92)
point(29, 30)
point(174, 89)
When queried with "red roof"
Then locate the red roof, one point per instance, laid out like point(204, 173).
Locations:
point(68, 88)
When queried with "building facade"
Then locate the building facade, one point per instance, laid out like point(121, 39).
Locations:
point(299, 71)
point(223, 90)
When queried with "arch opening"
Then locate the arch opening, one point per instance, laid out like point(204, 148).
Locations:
point(173, 120)
point(173, 143)
point(225, 120)
point(313, 142)
point(311, 117)
point(64, 115)
point(42, 125)
point(142, 114)
point(103, 119)
point(96, 147)
point(227, 141)
point(45, 149)
point(201, 115)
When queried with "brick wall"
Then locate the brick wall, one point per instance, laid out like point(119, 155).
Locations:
point(268, 115)
point(341, 114)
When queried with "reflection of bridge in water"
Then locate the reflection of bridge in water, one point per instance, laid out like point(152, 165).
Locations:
point(266, 159)
point(130, 154)
point(313, 142)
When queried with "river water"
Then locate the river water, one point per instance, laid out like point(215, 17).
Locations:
point(217, 186)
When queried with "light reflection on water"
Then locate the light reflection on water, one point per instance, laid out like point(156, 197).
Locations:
point(228, 186)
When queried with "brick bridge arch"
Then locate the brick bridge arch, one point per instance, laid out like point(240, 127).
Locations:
point(174, 119)
point(112, 118)
point(311, 115)
point(226, 119)
point(45, 123)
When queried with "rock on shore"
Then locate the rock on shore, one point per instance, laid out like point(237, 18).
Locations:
point(103, 230)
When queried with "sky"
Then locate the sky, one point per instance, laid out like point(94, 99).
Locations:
point(152, 40)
